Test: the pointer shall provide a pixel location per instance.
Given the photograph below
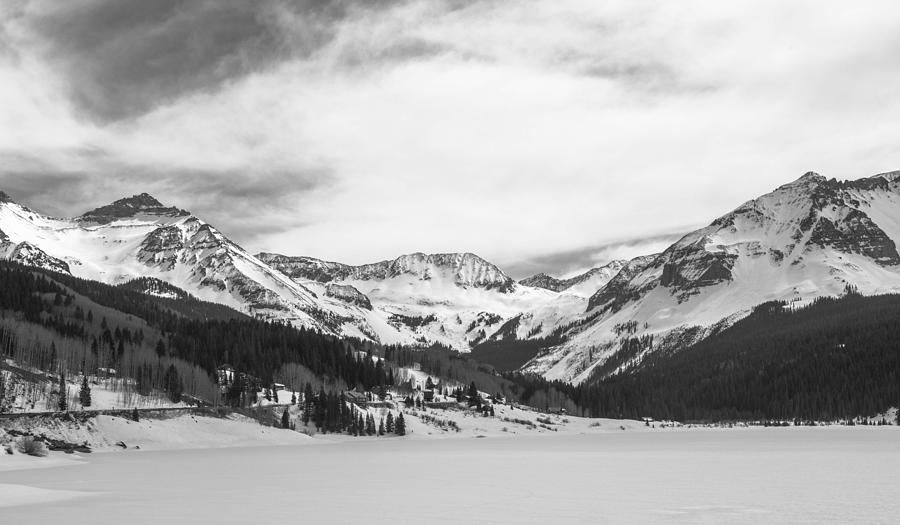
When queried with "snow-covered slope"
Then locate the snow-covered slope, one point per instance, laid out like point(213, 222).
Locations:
point(809, 238)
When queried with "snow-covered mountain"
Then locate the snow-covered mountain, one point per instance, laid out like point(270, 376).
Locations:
point(454, 299)
point(805, 239)
point(809, 238)
point(140, 237)
point(457, 299)
point(466, 270)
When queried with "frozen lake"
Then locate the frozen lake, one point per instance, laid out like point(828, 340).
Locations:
point(794, 475)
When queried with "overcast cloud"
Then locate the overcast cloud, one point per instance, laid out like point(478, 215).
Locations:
point(536, 134)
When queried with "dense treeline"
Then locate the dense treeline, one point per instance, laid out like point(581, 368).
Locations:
point(28, 293)
point(511, 353)
point(835, 359)
point(508, 354)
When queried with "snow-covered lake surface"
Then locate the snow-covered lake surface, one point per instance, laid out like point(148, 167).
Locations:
point(760, 475)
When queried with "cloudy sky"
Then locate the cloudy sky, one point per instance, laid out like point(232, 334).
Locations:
point(541, 135)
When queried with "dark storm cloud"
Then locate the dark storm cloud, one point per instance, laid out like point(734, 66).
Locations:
point(242, 204)
point(560, 264)
point(122, 58)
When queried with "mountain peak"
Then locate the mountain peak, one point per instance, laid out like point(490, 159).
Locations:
point(809, 180)
point(810, 177)
point(468, 269)
point(129, 207)
point(142, 200)
point(4, 197)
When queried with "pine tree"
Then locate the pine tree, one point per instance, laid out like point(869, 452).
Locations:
point(351, 427)
point(307, 403)
point(293, 398)
point(401, 425)
point(172, 382)
point(160, 348)
point(321, 408)
point(63, 393)
point(381, 427)
point(389, 425)
point(285, 419)
point(85, 394)
point(2, 394)
point(135, 415)
point(474, 397)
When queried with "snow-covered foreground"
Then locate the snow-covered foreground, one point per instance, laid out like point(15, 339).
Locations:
point(758, 475)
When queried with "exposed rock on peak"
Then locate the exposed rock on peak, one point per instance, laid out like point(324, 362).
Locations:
point(542, 280)
point(143, 203)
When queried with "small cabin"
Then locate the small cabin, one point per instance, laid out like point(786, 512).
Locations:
point(357, 398)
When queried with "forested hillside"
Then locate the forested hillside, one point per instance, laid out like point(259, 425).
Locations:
point(834, 359)
point(55, 322)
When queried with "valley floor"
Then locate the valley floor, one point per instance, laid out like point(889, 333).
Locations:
point(746, 475)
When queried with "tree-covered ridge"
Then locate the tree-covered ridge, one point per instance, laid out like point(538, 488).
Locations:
point(834, 359)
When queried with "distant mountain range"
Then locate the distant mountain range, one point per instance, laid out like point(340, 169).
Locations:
point(813, 237)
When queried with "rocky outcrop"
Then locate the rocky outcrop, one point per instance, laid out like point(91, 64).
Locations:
point(348, 294)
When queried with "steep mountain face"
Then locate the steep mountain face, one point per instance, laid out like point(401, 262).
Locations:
point(809, 238)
